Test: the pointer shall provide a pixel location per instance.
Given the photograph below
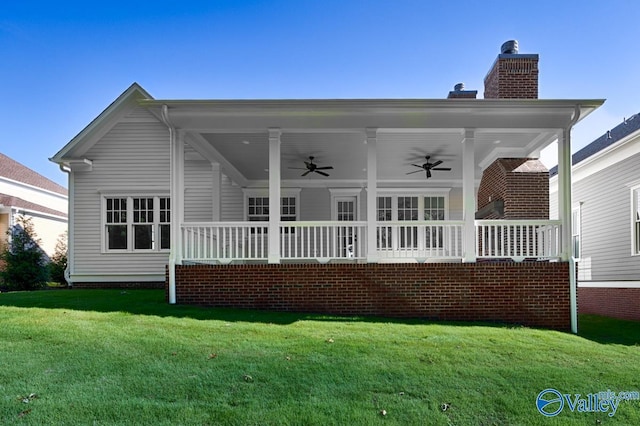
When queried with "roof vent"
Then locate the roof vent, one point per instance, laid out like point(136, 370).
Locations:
point(458, 87)
point(509, 47)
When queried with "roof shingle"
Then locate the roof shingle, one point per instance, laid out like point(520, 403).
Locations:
point(11, 169)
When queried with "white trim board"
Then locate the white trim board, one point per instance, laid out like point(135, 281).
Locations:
point(609, 284)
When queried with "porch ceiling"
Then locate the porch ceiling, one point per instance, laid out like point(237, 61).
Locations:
point(347, 153)
point(234, 133)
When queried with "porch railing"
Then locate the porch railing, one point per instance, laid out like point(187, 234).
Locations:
point(420, 239)
point(332, 240)
point(518, 239)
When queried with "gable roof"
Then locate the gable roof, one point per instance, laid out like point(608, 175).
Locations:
point(89, 135)
point(621, 131)
point(11, 169)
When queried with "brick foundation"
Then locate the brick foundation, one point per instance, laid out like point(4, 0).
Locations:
point(529, 293)
point(622, 303)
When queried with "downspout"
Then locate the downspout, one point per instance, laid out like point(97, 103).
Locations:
point(174, 230)
point(573, 285)
point(70, 228)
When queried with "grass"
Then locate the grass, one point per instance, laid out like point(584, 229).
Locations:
point(110, 357)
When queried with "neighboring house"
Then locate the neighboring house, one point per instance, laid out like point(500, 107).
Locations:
point(606, 221)
point(346, 206)
point(27, 193)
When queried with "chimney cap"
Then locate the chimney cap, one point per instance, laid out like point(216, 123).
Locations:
point(509, 47)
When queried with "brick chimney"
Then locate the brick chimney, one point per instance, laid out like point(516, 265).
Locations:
point(513, 75)
point(460, 93)
point(514, 188)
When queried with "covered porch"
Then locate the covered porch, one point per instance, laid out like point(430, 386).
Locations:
point(399, 181)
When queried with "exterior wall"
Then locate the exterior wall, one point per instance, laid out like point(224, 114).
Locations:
point(48, 231)
point(528, 293)
point(133, 157)
point(605, 207)
point(198, 194)
point(232, 207)
point(623, 303)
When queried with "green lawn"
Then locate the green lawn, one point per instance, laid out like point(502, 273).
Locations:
point(126, 357)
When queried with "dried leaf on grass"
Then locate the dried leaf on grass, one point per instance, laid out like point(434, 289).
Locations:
point(27, 399)
point(24, 413)
point(247, 378)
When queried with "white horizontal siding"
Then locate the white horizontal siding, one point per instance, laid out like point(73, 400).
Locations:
point(232, 206)
point(606, 221)
point(198, 194)
point(133, 154)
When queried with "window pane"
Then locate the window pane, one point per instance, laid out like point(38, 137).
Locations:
point(143, 237)
point(117, 237)
point(165, 237)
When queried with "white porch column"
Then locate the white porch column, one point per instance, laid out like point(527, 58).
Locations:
point(176, 193)
point(564, 192)
point(469, 195)
point(564, 214)
point(274, 195)
point(216, 193)
point(372, 194)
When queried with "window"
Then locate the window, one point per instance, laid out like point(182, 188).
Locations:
point(576, 226)
point(137, 223)
point(411, 208)
point(635, 232)
point(257, 209)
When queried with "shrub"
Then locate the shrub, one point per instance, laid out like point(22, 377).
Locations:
point(58, 262)
point(25, 264)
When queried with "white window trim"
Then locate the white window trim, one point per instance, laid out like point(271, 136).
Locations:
point(635, 195)
point(129, 195)
point(337, 193)
point(412, 192)
point(264, 192)
point(577, 208)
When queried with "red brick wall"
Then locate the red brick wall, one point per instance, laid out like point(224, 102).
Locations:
point(523, 185)
point(528, 293)
point(512, 77)
point(623, 303)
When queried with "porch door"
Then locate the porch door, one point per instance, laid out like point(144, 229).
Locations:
point(345, 211)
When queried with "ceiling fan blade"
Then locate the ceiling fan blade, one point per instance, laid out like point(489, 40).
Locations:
point(417, 166)
point(324, 168)
point(306, 173)
point(436, 164)
point(446, 169)
point(417, 171)
point(428, 173)
point(321, 173)
point(298, 168)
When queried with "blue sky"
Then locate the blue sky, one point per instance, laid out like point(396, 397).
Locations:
point(63, 62)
